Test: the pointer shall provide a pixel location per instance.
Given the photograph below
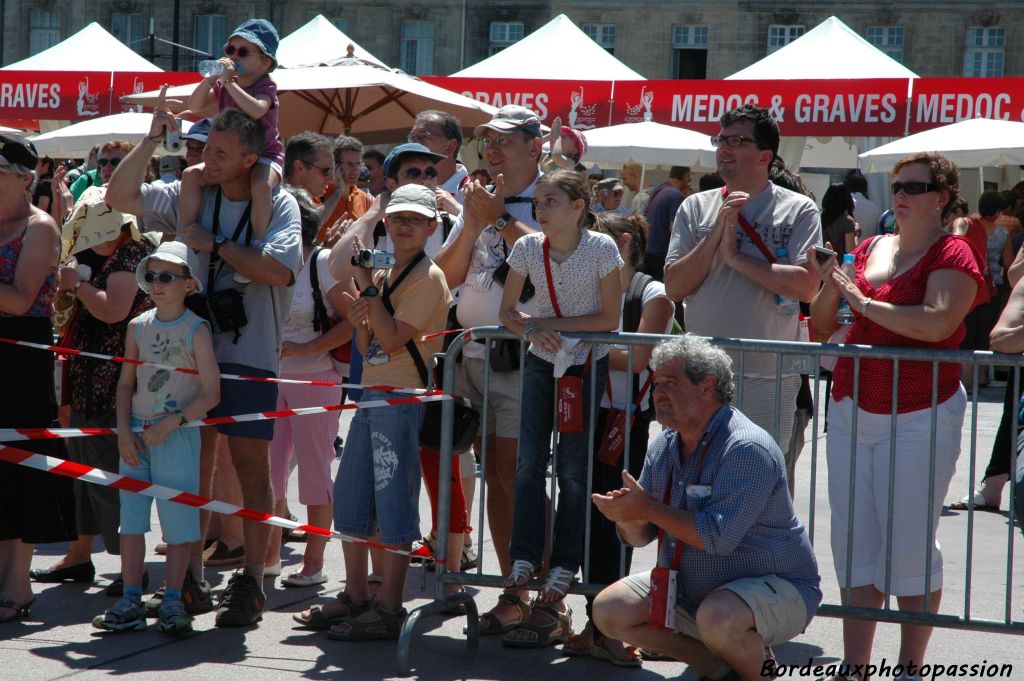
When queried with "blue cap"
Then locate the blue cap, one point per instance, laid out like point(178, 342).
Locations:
point(199, 131)
point(409, 148)
point(262, 34)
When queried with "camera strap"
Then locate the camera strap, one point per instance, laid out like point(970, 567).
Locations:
point(243, 223)
point(385, 297)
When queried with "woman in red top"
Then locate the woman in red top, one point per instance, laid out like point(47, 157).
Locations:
point(911, 290)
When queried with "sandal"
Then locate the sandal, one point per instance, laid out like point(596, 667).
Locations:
point(558, 582)
point(494, 625)
point(579, 645)
point(556, 629)
point(457, 608)
point(979, 504)
point(20, 610)
point(522, 571)
point(628, 657)
point(386, 627)
point(318, 621)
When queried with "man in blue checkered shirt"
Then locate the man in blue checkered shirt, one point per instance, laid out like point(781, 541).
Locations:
point(713, 489)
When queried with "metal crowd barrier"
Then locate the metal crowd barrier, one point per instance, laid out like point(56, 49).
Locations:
point(790, 358)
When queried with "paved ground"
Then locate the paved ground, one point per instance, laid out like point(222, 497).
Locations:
point(58, 642)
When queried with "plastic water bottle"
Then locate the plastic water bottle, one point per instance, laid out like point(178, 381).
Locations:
point(845, 315)
point(787, 306)
point(210, 67)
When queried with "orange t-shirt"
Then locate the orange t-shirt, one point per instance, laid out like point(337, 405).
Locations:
point(355, 204)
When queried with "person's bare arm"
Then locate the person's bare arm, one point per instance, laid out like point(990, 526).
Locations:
point(256, 264)
point(1016, 270)
point(685, 275)
point(1008, 333)
point(123, 190)
point(110, 305)
point(39, 253)
point(202, 101)
point(454, 260)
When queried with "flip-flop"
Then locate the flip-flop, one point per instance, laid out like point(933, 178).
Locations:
point(979, 504)
point(576, 645)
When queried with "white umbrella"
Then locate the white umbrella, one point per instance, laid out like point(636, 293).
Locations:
point(974, 143)
point(75, 141)
point(354, 97)
point(651, 144)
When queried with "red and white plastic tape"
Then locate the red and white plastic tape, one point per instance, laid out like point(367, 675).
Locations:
point(98, 476)
point(23, 434)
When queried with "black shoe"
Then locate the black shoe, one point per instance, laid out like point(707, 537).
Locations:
point(241, 604)
point(116, 588)
point(197, 597)
point(83, 572)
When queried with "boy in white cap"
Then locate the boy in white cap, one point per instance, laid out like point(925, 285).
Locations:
point(167, 454)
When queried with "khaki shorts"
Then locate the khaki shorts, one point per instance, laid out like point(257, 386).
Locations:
point(502, 400)
point(779, 611)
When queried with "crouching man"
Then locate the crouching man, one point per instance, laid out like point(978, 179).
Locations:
point(713, 491)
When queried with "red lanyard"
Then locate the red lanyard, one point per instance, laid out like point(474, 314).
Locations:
point(550, 280)
point(677, 560)
point(752, 233)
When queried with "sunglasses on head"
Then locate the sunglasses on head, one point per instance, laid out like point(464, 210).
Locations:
point(104, 161)
point(242, 52)
point(415, 173)
point(913, 188)
point(163, 277)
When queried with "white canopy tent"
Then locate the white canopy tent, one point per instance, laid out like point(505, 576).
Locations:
point(558, 50)
point(649, 143)
point(75, 141)
point(319, 43)
point(91, 49)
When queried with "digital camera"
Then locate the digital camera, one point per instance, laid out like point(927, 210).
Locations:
point(371, 259)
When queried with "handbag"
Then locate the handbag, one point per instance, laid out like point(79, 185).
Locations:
point(467, 418)
point(613, 443)
point(341, 356)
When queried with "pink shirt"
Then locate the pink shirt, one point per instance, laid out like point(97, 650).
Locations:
point(272, 148)
point(915, 383)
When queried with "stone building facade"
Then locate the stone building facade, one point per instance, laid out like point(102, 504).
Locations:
point(667, 39)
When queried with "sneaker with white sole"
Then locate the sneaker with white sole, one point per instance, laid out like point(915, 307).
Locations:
point(174, 619)
point(298, 579)
point(125, 615)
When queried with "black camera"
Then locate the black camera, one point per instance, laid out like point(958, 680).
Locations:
point(371, 259)
point(501, 274)
point(227, 311)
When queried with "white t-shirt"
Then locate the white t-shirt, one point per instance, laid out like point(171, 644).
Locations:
point(728, 304)
point(480, 295)
point(617, 379)
point(454, 184)
point(577, 282)
point(298, 325)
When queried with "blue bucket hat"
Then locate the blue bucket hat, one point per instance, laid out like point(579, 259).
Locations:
point(262, 34)
point(410, 148)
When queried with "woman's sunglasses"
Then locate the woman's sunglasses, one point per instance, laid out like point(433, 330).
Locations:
point(242, 52)
point(104, 161)
point(913, 188)
point(163, 277)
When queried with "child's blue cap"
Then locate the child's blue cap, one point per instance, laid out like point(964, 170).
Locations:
point(262, 34)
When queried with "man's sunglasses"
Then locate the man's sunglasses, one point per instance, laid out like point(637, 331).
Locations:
point(242, 52)
point(913, 188)
point(730, 140)
point(104, 161)
point(415, 173)
point(163, 277)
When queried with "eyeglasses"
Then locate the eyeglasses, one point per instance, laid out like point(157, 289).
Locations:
point(415, 173)
point(242, 52)
point(500, 141)
point(418, 136)
point(913, 188)
point(411, 220)
point(730, 140)
point(163, 277)
point(113, 162)
point(326, 172)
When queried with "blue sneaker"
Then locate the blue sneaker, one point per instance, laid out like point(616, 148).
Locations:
point(126, 615)
point(174, 619)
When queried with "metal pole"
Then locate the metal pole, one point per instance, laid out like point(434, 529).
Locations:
point(152, 39)
point(175, 34)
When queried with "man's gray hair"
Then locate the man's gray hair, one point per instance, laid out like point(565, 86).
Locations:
point(451, 128)
point(700, 360)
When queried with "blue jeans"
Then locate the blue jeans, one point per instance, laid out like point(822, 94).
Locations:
point(378, 481)
point(536, 423)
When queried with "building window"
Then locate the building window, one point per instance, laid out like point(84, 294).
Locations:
point(690, 52)
point(602, 34)
point(888, 39)
point(43, 30)
point(503, 34)
point(341, 25)
point(780, 35)
point(984, 52)
point(417, 50)
point(211, 32)
point(129, 29)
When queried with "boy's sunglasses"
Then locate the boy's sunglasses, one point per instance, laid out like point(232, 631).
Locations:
point(163, 277)
point(242, 52)
point(913, 188)
point(415, 173)
point(112, 161)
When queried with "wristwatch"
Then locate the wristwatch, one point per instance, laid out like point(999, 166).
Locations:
point(370, 292)
point(217, 243)
point(502, 222)
point(182, 419)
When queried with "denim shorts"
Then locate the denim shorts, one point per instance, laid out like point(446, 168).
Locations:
point(246, 397)
point(378, 481)
point(174, 464)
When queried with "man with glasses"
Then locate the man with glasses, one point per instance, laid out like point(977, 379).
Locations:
point(109, 156)
point(441, 132)
point(743, 248)
point(346, 201)
point(492, 220)
point(609, 197)
point(309, 162)
point(374, 162)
